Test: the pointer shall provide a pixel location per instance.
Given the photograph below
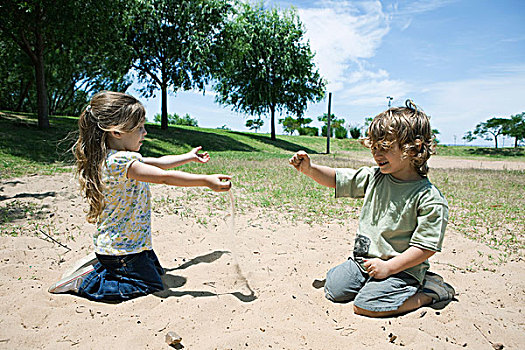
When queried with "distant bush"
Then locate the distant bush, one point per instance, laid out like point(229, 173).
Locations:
point(308, 131)
point(355, 132)
point(175, 119)
point(323, 131)
point(341, 132)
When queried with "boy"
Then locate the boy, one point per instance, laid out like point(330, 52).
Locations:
point(402, 221)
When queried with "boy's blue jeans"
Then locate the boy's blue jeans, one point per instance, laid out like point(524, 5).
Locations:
point(346, 282)
point(123, 277)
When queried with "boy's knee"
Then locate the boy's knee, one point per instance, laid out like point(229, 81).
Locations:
point(334, 292)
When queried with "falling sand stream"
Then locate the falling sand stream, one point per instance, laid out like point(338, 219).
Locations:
point(232, 240)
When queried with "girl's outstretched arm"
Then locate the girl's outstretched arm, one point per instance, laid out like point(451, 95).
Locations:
point(321, 174)
point(172, 161)
point(148, 173)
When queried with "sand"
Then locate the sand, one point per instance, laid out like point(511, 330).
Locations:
point(247, 289)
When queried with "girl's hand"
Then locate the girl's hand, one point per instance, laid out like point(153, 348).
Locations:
point(219, 183)
point(301, 161)
point(377, 268)
point(199, 157)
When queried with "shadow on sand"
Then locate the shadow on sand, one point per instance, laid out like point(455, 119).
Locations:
point(174, 282)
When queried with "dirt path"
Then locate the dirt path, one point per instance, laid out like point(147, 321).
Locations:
point(442, 162)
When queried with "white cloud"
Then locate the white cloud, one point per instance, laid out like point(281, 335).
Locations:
point(416, 7)
point(342, 35)
point(457, 106)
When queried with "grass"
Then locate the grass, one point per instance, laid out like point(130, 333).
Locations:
point(486, 205)
point(507, 153)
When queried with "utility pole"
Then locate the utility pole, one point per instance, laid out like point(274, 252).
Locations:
point(389, 98)
point(328, 132)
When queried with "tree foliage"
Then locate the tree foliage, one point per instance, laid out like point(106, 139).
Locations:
point(175, 119)
point(341, 132)
point(291, 125)
point(335, 123)
point(174, 44)
point(489, 130)
point(267, 66)
point(515, 127)
point(355, 132)
point(254, 124)
point(16, 77)
point(68, 44)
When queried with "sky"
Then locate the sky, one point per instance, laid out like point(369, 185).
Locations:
point(461, 61)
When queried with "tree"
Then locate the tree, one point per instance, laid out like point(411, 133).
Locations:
point(515, 127)
point(174, 43)
point(188, 120)
point(16, 77)
point(267, 65)
point(290, 124)
point(355, 132)
point(490, 129)
point(254, 124)
point(45, 31)
point(308, 130)
point(172, 118)
point(175, 119)
point(340, 132)
point(334, 124)
point(435, 132)
point(368, 121)
point(469, 137)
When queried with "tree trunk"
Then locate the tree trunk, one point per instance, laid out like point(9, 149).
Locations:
point(41, 92)
point(272, 123)
point(516, 142)
point(496, 141)
point(164, 116)
point(23, 96)
point(41, 87)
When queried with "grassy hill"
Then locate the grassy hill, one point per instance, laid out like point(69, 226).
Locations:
point(25, 149)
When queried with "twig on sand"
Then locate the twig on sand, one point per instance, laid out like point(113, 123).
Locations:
point(54, 240)
point(484, 336)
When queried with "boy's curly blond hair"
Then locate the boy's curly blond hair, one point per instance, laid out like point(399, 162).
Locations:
point(410, 127)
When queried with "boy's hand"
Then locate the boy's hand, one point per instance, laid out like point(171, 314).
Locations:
point(219, 183)
point(301, 161)
point(377, 268)
point(199, 157)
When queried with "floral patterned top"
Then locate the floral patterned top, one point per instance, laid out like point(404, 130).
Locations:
point(124, 226)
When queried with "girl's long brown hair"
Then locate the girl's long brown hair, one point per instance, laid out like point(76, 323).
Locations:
point(108, 111)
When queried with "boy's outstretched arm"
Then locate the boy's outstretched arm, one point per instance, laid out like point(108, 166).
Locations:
point(148, 173)
point(172, 161)
point(321, 174)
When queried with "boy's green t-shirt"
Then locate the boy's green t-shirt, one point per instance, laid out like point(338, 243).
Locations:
point(395, 214)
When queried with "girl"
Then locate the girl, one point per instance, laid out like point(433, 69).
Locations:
point(115, 179)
